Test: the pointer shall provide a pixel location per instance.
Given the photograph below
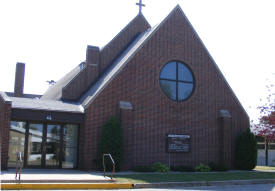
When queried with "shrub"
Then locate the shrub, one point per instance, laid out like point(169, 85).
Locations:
point(202, 168)
point(246, 151)
point(159, 167)
point(217, 167)
point(111, 142)
point(183, 168)
point(143, 169)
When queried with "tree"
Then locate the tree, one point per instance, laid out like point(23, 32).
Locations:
point(111, 142)
point(246, 151)
point(266, 126)
point(266, 129)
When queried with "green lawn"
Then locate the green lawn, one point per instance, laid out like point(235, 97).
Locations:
point(192, 176)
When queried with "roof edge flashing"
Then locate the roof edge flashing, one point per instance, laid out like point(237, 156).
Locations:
point(5, 98)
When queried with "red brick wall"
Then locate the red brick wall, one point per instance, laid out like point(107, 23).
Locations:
point(154, 115)
point(226, 143)
point(5, 113)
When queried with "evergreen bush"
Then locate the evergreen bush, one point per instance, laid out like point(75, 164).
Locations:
point(111, 142)
point(159, 167)
point(246, 151)
point(202, 168)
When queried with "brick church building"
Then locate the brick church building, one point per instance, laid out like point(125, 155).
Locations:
point(174, 104)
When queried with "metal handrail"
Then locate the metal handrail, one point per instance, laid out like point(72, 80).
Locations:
point(18, 165)
point(113, 162)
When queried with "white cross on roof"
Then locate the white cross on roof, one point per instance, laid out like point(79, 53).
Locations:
point(140, 6)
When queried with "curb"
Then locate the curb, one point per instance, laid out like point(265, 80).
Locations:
point(202, 183)
point(62, 186)
point(65, 186)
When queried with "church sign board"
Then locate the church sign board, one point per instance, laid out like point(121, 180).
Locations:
point(178, 143)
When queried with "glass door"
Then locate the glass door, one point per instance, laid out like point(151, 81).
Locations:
point(70, 142)
point(35, 142)
point(44, 145)
point(53, 145)
point(16, 142)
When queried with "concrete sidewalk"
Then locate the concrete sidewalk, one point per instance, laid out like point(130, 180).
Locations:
point(53, 176)
point(47, 179)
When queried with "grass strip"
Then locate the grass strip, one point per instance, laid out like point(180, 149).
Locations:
point(189, 177)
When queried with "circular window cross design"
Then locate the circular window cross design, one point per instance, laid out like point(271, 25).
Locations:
point(177, 81)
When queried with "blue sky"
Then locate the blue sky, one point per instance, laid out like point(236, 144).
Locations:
point(51, 38)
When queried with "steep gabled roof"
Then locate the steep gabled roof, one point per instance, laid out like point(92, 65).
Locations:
point(121, 33)
point(68, 88)
point(121, 62)
point(212, 59)
point(55, 91)
point(110, 52)
point(129, 53)
point(116, 67)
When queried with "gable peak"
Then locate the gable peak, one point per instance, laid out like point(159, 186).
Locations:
point(177, 9)
point(141, 16)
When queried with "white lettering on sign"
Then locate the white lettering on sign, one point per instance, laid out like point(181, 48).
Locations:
point(179, 136)
point(178, 143)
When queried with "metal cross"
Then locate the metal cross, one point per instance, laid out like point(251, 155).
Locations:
point(140, 5)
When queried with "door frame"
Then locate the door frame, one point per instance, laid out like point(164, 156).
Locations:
point(43, 146)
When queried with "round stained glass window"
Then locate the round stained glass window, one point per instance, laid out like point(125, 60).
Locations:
point(177, 81)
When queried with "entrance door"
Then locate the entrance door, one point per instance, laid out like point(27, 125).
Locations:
point(44, 145)
point(52, 146)
point(35, 142)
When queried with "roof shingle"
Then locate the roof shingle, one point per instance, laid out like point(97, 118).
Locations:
point(48, 105)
